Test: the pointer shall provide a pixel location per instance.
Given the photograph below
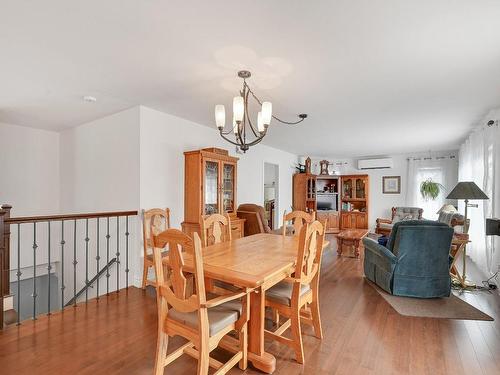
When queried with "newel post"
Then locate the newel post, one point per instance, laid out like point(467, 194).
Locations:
point(6, 249)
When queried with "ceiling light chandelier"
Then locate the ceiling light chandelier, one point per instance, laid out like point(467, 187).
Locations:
point(241, 118)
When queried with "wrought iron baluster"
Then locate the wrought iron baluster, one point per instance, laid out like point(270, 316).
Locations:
point(62, 264)
point(117, 254)
point(86, 260)
point(49, 267)
point(107, 255)
point(127, 270)
point(34, 295)
point(97, 258)
point(75, 262)
point(18, 273)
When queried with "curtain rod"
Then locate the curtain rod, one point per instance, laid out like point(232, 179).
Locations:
point(432, 157)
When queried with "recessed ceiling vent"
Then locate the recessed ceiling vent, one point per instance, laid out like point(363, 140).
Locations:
point(384, 163)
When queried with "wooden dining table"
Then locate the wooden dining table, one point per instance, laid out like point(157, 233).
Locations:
point(257, 262)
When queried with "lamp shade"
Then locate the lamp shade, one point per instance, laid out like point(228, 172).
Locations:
point(220, 116)
point(467, 190)
point(238, 108)
point(267, 112)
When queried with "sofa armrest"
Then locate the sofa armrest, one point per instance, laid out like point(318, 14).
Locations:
point(386, 221)
point(379, 254)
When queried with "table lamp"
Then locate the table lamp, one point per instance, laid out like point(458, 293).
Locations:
point(466, 190)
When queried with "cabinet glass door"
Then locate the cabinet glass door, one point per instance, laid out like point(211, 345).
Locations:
point(347, 189)
point(360, 188)
point(211, 183)
point(228, 187)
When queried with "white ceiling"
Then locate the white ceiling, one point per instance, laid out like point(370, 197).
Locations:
point(375, 76)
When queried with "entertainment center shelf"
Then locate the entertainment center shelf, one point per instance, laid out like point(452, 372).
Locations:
point(342, 200)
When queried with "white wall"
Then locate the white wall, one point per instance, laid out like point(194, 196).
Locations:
point(164, 138)
point(29, 181)
point(29, 170)
point(100, 172)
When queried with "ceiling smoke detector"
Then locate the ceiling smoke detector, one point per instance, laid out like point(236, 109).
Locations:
point(89, 99)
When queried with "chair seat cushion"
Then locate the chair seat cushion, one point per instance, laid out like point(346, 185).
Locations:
point(219, 317)
point(224, 285)
point(282, 292)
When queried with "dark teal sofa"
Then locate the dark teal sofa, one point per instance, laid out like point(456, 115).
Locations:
point(415, 262)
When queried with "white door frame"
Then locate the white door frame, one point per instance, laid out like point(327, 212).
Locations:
point(276, 219)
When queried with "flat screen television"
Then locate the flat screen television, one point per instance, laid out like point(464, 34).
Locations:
point(326, 202)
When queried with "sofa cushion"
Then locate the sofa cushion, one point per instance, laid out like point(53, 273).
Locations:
point(406, 213)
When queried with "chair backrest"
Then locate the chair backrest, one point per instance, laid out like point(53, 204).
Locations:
point(421, 246)
point(155, 220)
point(175, 291)
point(298, 219)
point(215, 228)
point(406, 213)
point(310, 251)
point(257, 222)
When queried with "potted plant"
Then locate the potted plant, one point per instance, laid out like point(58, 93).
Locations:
point(430, 189)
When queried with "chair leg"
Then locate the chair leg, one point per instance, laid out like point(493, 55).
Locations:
point(161, 353)
point(297, 337)
point(145, 270)
point(276, 317)
point(204, 357)
point(316, 318)
point(243, 338)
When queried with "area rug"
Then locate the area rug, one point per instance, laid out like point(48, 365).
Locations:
point(450, 307)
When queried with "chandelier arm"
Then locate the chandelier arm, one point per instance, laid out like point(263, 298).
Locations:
point(273, 116)
point(230, 141)
point(254, 131)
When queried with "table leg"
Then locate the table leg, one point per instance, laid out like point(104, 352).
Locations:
point(356, 248)
point(339, 246)
point(260, 359)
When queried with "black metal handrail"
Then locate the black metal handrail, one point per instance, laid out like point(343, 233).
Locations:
point(73, 300)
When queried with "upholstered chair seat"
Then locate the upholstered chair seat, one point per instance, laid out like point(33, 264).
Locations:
point(219, 317)
point(282, 292)
point(384, 226)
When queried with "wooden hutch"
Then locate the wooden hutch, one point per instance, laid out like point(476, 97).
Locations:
point(318, 193)
point(354, 202)
point(210, 177)
point(343, 200)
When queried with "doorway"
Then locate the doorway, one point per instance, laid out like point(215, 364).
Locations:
point(271, 194)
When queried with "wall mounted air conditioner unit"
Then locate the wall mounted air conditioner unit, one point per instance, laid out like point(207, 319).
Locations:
point(384, 163)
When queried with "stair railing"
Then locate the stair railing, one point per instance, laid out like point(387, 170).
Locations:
point(75, 245)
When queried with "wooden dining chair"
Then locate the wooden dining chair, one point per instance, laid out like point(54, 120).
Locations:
point(297, 219)
point(181, 312)
point(297, 297)
point(155, 220)
point(215, 228)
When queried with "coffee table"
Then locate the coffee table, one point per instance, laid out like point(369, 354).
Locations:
point(350, 239)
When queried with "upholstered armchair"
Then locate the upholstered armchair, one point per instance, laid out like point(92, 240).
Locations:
point(255, 218)
point(384, 226)
point(415, 262)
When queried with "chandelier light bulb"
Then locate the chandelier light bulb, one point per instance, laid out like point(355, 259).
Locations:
point(267, 112)
point(260, 123)
point(220, 116)
point(238, 108)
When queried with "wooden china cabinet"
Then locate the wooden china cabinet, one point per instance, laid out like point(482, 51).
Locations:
point(210, 187)
point(354, 202)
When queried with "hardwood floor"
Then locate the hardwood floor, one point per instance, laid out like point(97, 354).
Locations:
point(363, 335)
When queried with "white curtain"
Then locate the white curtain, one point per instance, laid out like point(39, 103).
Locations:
point(479, 161)
point(440, 169)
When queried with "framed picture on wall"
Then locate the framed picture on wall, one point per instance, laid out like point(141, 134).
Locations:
point(391, 184)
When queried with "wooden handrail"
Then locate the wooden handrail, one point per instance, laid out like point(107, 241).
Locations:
point(45, 218)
